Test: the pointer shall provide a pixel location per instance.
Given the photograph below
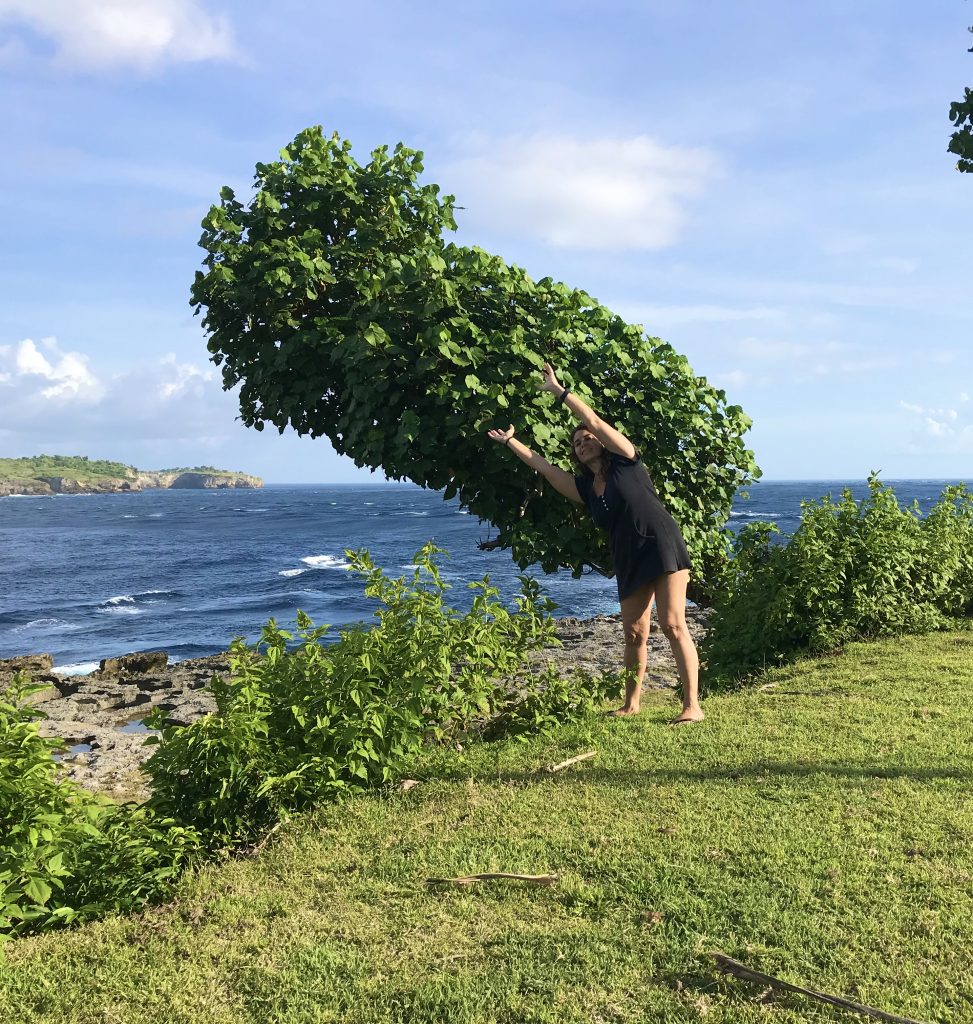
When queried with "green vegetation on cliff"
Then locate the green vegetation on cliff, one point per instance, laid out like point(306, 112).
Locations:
point(85, 470)
point(78, 467)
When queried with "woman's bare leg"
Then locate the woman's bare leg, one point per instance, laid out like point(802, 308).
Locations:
point(670, 597)
point(636, 612)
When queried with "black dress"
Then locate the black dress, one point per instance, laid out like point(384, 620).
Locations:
point(644, 539)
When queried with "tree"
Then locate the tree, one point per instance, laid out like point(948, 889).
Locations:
point(334, 302)
point(961, 141)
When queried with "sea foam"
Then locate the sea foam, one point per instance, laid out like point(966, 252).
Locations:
point(82, 668)
point(326, 562)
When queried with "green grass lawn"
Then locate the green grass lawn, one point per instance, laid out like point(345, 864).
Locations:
point(819, 830)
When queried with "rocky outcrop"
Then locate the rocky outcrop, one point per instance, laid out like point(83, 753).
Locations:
point(212, 480)
point(105, 485)
point(98, 717)
point(14, 486)
point(121, 485)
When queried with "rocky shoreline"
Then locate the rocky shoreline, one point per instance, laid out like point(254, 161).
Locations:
point(191, 480)
point(98, 717)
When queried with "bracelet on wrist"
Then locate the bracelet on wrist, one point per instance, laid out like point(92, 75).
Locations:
point(509, 439)
point(564, 394)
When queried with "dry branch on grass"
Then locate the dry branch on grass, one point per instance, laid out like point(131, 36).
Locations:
point(738, 970)
point(491, 875)
point(573, 760)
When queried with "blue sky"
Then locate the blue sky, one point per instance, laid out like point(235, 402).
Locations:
point(765, 185)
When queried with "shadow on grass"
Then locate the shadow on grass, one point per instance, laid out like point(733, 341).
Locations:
point(760, 772)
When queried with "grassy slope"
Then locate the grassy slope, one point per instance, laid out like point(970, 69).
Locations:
point(820, 831)
point(76, 468)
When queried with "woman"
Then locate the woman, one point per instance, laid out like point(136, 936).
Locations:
point(648, 551)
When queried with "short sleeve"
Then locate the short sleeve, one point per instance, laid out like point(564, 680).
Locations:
point(584, 489)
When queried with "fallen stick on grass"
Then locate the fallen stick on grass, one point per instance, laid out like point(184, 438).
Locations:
point(489, 875)
point(574, 760)
point(738, 970)
point(258, 847)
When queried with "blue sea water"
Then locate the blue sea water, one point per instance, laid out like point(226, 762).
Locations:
point(86, 577)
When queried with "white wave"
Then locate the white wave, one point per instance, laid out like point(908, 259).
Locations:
point(120, 609)
point(142, 597)
point(82, 668)
point(326, 562)
point(464, 512)
point(369, 502)
point(155, 515)
point(129, 515)
point(410, 513)
point(754, 515)
point(37, 624)
point(291, 572)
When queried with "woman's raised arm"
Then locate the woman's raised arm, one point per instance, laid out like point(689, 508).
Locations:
point(559, 479)
point(614, 440)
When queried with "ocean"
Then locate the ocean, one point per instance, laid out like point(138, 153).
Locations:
point(86, 577)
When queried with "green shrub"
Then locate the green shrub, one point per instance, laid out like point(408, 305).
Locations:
point(295, 727)
point(551, 700)
point(852, 570)
point(66, 854)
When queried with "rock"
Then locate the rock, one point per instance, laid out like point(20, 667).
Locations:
point(134, 664)
point(37, 669)
point(69, 684)
point(29, 663)
point(154, 683)
point(135, 480)
point(18, 486)
point(196, 480)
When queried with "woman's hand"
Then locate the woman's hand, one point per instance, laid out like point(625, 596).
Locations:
point(550, 382)
point(501, 436)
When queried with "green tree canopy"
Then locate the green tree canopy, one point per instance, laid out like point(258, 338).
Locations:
point(961, 141)
point(335, 303)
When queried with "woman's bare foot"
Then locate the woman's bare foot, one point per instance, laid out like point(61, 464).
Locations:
point(688, 716)
point(622, 712)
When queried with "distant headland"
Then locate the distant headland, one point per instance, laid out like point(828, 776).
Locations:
point(77, 474)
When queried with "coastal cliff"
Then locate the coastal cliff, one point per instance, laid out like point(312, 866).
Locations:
point(79, 476)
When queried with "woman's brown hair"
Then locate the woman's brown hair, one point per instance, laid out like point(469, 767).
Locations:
point(574, 455)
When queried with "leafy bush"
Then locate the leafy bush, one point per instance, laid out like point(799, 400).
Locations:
point(295, 727)
point(79, 467)
point(333, 299)
point(550, 701)
point(852, 570)
point(65, 854)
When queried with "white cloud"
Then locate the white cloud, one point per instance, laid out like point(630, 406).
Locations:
point(730, 380)
point(96, 34)
point(851, 367)
point(820, 359)
point(670, 316)
point(65, 374)
point(581, 193)
point(184, 379)
point(939, 430)
point(53, 397)
point(776, 350)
